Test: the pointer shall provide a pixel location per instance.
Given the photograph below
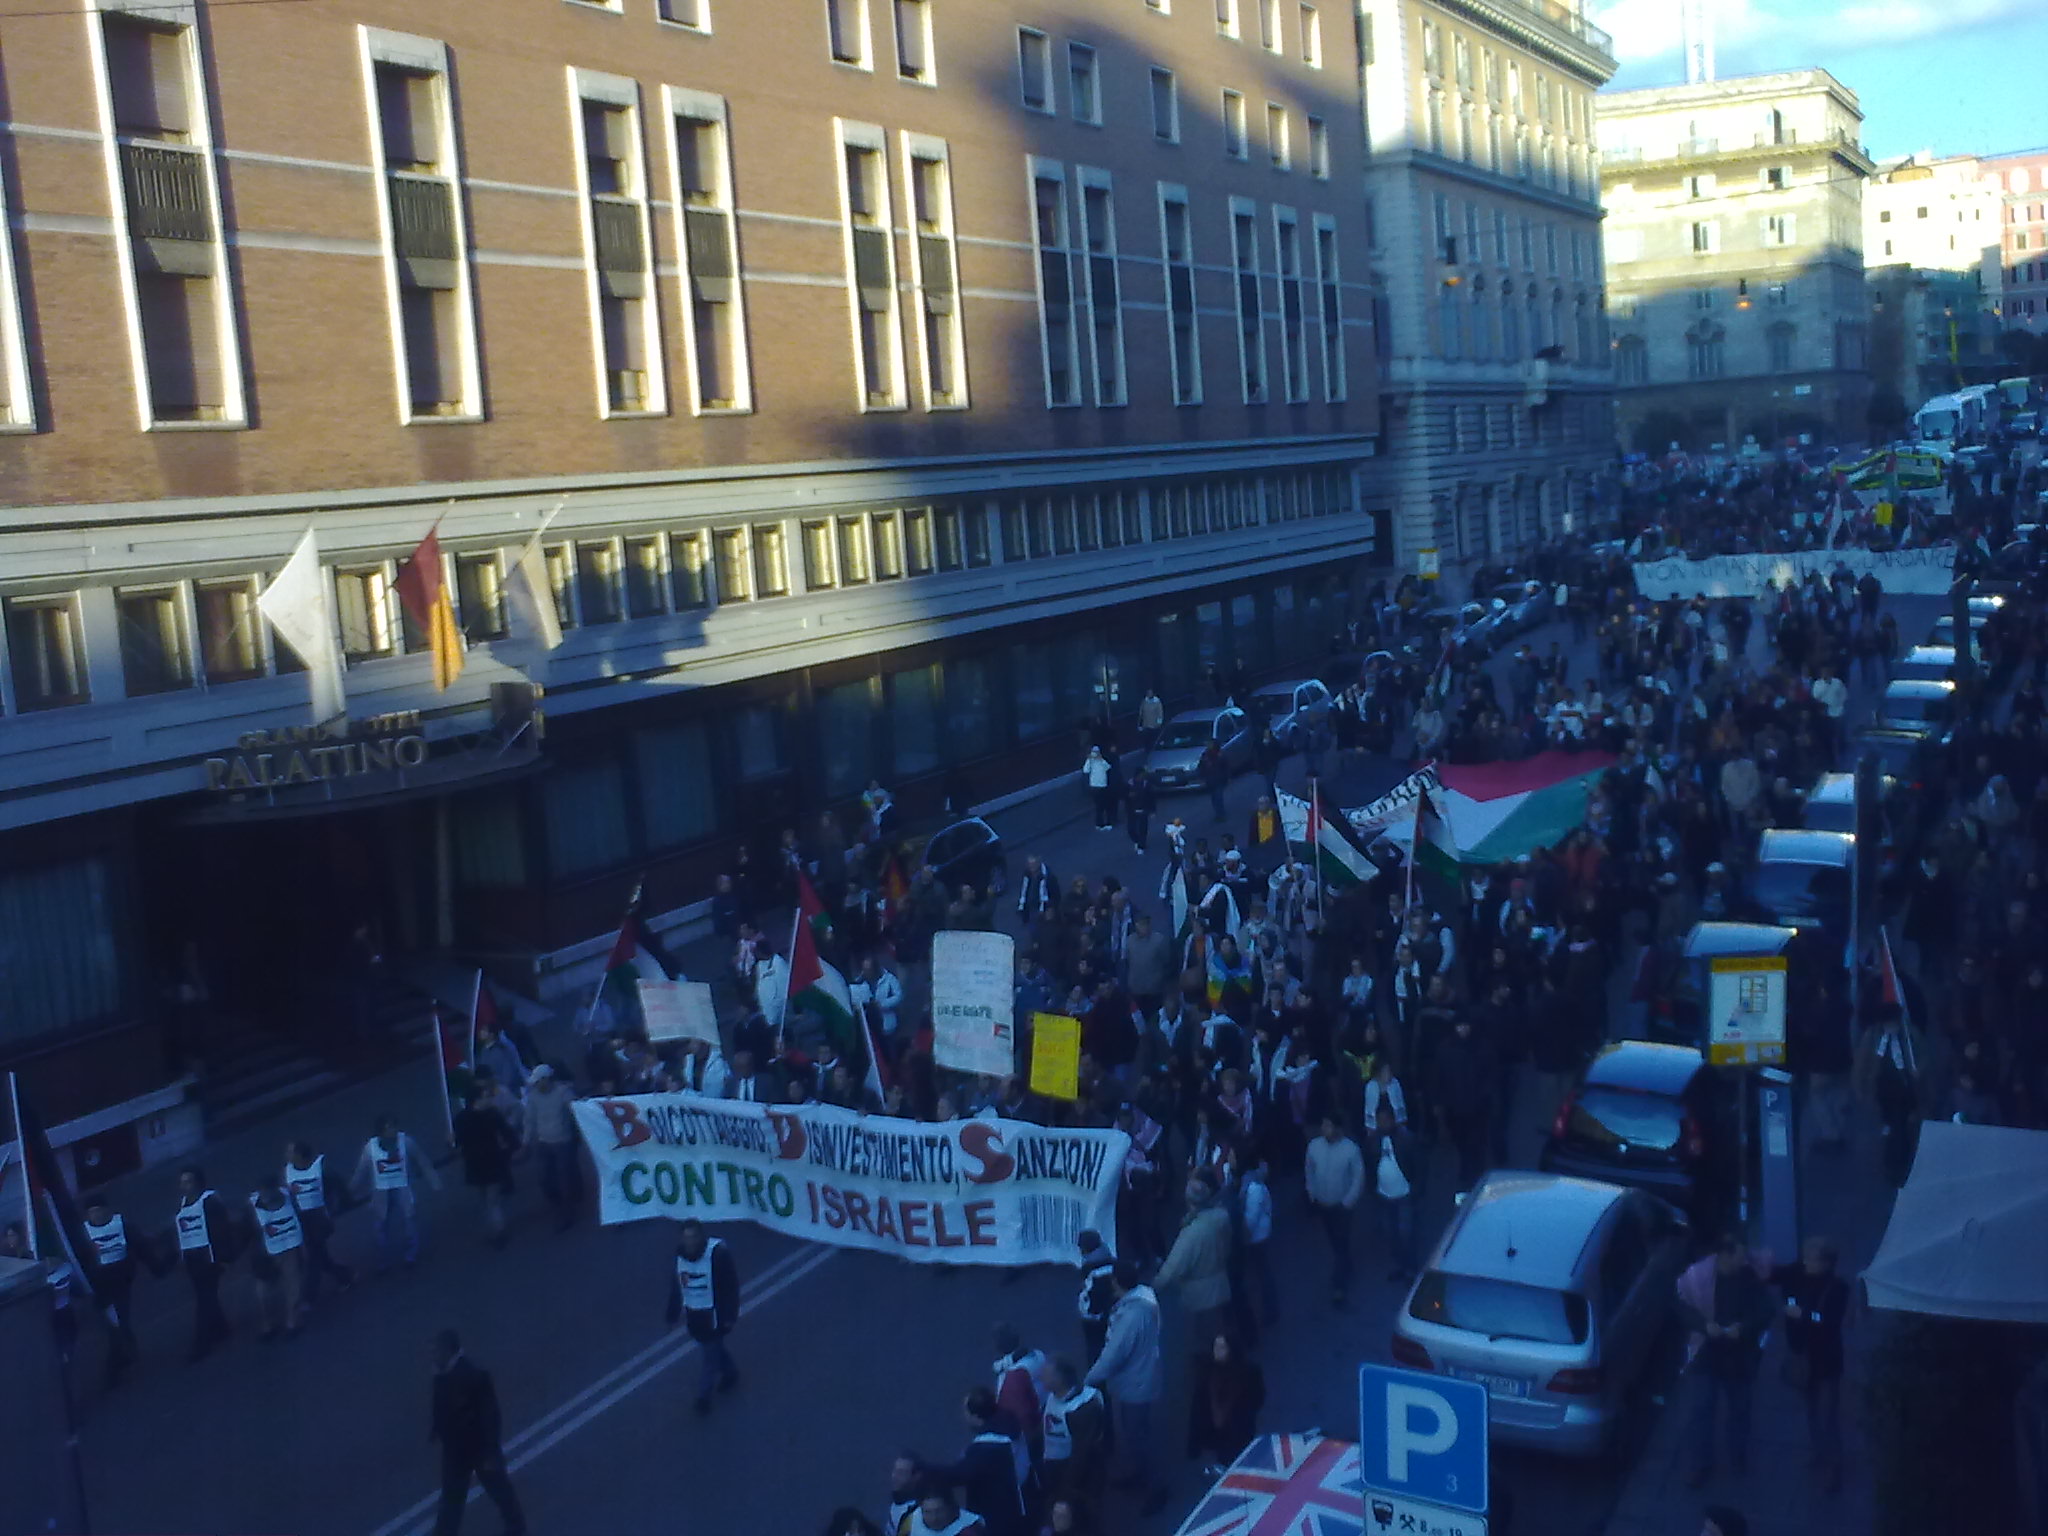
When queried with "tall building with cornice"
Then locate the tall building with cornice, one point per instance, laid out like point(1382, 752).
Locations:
point(1483, 194)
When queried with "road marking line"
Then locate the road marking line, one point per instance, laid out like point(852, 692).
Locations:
point(559, 1423)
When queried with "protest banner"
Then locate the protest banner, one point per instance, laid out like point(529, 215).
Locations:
point(1392, 814)
point(985, 1191)
point(973, 1008)
point(1056, 1056)
point(1924, 572)
point(678, 1010)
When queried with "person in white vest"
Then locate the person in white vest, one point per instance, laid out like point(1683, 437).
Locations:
point(704, 1295)
point(318, 1197)
point(389, 1160)
point(1075, 1428)
point(940, 1514)
point(206, 1238)
point(113, 1267)
point(278, 1259)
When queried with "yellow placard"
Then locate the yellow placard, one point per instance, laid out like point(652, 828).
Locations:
point(1056, 1056)
point(1883, 513)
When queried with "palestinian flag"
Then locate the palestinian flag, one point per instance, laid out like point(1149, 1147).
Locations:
point(1488, 813)
point(1325, 841)
point(815, 985)
point(1435, 847)
point(54, 1229)
point(633, 959)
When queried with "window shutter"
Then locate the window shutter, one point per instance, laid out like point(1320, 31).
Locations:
point(871, 269)
point(707, 233)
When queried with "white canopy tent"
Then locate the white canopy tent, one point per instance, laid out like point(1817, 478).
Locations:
point(1969, 1232)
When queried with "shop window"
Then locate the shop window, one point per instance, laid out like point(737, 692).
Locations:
point(490, 841)
point(1031, 687)
point(586, 817)
point(914, 714)
point(63, 965)
point(970, 708)
point(757, 743)
point(846, 736)
point(678, 790)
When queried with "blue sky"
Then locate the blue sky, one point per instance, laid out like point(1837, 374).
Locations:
point(1953, 76)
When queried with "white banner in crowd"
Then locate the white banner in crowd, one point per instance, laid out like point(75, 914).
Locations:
point(974, 988)
point(1001, 1192)
point(678, 1010)
point(1925, 572)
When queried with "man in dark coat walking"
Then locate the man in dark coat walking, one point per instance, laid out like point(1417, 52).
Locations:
point(466, 1425)
point(704, 1295)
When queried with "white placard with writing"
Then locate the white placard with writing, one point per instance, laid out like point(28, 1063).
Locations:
point(678, 1010)
point(973, 1002)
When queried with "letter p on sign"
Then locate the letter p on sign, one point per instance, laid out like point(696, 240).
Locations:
point(1423, 1436)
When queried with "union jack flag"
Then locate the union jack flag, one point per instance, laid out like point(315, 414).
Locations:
point(1285, 1485)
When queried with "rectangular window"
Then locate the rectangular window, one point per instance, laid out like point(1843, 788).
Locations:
point(888, 551)
point(1269, 25)
point(1084, 84)
point(821, 567)
point(166, 185)
point(646, 580)
point(1039, 528)
point(1278, 143)
point(856, 567)
point(1034, 69)
point(1061, 346)
point(1062, 525)
point(598, 599)
point(1706, 237)
point(584, 811)
point(230, 638)
point(706, 234)
point(1311, 37)
point(1781, 229)
point(771, 561)
point(689, 565)
point(561, 566)
point(424, 228)
point(154, 655)
point(1014, 545)
point(1235, 143)
point(1184, 336)
point(1165, 106)
point(1293, 320)
point(918, 557)
point(1226, 18)
point(871, 267)
point(480, 595)
point(948, 549)
point(45, 653)
point(1330, 308)
point(1251, 324)
point(941, 338)
point(1318, 149)
point(1778, 177)
point(917, 721)
point(735, 565)
point(693, 14)
point(1105, 303)
point(914, 41)
point(616, 239)
point(846, 26)
point(364, 604)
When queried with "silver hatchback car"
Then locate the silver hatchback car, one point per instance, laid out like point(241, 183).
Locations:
point(1549, 1292)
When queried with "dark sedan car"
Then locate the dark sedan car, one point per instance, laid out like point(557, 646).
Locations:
point(1655, 1117)
point(967, 853)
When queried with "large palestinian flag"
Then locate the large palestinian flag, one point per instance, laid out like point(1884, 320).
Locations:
point(1498, 811)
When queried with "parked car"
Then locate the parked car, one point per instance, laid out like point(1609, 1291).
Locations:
point(1651, 1115)
point(1943, 631)
point(1288, 707)
point(1549, 1292)
point(1528, 604)
point(1920, 706)
point(1174, 757)
point(1902, 756)
point(1801, 879)
point(967, 853)
point(1926, 663)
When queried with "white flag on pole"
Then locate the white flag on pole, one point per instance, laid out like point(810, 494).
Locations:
point(300, 607)
point(533, 595)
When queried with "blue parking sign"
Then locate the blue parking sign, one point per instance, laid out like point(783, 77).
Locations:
point(1423, 1436)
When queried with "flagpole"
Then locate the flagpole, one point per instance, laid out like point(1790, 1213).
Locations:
point(1414, 852)
point(788, 981)
point(28, 1179)
point(476, 1001)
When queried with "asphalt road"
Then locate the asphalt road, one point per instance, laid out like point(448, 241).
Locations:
point(846, 1359)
